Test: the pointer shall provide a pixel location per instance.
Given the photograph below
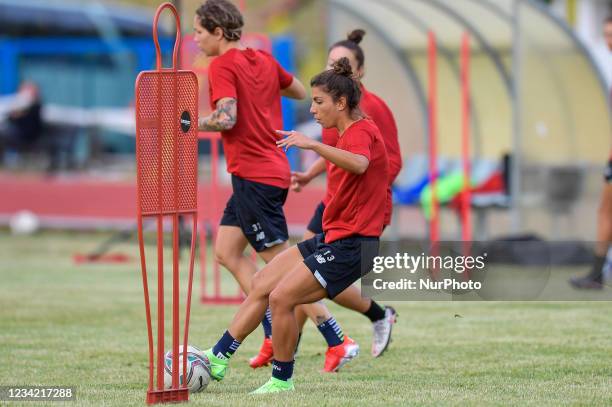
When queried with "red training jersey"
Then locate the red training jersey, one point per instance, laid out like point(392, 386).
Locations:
point(254, 78)
point(377, 110)
point(359, 202)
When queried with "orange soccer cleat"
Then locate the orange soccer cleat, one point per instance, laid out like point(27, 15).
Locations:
point(265, 355)
point(338, 356)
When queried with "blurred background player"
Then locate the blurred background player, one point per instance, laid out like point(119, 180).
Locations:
point(375, 108)
point(23, 126)
point(245, 94)
point(594, 279)
point(328, 263)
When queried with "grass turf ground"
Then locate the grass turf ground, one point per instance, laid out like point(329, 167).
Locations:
point(83, 326)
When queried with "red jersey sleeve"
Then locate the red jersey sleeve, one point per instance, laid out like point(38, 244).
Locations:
point(393, 147)
point(222, 82)
point(284, 77)
point(380, 113)
point(359, 142)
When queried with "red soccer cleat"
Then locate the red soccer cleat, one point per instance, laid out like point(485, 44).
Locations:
point(265, 355)
point(338, 356)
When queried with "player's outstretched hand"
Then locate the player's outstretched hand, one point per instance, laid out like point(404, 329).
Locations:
point(293, 138)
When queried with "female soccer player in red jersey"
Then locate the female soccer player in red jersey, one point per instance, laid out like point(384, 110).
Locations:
point(328, 263)
point(375, 108)
point(245, 92)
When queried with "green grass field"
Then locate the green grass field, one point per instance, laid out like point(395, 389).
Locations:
point(84, 326)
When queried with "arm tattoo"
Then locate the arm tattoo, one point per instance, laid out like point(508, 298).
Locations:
point(223, 118)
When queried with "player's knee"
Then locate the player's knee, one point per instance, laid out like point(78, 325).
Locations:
point(221, 258)
point(279, 300)
point(224, 257)
point(258, 285)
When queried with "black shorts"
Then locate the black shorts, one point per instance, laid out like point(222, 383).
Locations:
point(316, 222)
point(608, 173)
point(257, 209)
point(339, 264)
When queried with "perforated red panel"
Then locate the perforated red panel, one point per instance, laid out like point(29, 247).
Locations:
point(166, 141)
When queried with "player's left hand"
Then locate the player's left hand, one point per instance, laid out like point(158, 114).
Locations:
point(293, 138)
point(298, 180)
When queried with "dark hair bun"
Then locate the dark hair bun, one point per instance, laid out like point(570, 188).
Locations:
point(356, 35)
point(342, 67)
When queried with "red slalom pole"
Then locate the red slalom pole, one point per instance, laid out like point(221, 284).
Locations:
point(203, 265)
point(166, 173)
point(434, 223)
point(466, 196)
point(214, 150)
point(192, 254)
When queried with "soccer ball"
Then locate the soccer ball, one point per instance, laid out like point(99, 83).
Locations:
point(24, 223)
point(198, 369)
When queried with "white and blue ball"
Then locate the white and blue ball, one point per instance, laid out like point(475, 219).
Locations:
point(198, 369)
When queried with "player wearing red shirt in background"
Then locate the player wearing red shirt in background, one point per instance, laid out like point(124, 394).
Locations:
point(374, 107)
point(328, 263)
point(245, 92)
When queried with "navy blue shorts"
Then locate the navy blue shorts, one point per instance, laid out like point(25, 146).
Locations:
point(608, 173)
point(338, 264)
point(257, 209)
point(316, 222)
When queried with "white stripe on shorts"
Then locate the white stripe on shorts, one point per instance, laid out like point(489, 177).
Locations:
point(320, 278)
point(274, 243)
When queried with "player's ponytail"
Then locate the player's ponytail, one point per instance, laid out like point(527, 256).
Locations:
point(339, 82)
point(343, 67)
point(356, 36)
point(223, 14)
point(352, 43)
